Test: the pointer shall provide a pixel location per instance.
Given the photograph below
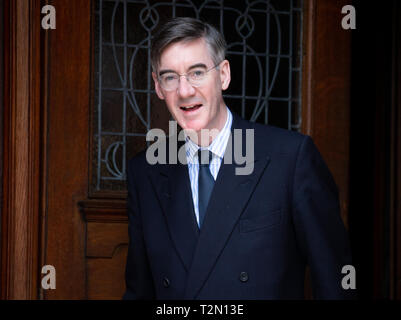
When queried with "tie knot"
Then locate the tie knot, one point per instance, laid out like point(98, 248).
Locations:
point(205, 157)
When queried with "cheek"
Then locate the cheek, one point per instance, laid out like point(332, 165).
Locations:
point(210, 95)
point(213, 98)
point(170, 102)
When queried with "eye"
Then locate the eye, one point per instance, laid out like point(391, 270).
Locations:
point(169, 77)
point(197, 74)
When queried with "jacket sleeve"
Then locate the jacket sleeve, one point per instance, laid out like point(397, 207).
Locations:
point(138, 277)
point(320, 231)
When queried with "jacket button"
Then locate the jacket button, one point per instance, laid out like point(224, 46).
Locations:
point(243, 277)
point(166, 282)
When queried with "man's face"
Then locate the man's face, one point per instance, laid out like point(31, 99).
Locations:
point(209, 111)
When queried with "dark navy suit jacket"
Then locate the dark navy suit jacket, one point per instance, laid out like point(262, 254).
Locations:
point(259, 232)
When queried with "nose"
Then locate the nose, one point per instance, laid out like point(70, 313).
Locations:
point(185, 89)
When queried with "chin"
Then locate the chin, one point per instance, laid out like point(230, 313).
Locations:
point(194, 125)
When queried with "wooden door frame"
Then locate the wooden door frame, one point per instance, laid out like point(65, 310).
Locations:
point(21, 153)
point(326, 81)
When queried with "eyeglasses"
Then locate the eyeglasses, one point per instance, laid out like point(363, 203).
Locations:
point(169, 81)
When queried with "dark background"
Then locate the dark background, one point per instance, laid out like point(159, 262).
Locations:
point(375, 57)
point(1, 106)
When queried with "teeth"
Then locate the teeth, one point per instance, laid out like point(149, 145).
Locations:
point(189, 107)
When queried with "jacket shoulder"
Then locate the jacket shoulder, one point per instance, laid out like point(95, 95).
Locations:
point(277, 139)
point(138, 162)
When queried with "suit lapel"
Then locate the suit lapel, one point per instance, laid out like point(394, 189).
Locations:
point(229, 198)
point(174, 193)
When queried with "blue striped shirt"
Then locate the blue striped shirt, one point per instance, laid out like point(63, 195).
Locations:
point(217, 148)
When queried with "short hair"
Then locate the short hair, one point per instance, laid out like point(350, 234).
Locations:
point(187, 29)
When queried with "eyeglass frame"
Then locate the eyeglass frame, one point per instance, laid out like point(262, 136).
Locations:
point(217, 66)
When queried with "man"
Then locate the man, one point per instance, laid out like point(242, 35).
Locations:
point(206, 232)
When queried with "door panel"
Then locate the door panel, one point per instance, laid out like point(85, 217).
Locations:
point(67, 93)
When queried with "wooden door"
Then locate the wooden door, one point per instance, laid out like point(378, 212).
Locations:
point(81, 233)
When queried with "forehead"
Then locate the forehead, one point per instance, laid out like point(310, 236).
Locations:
point(183, 54)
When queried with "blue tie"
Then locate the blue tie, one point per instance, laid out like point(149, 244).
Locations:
point(205, 183)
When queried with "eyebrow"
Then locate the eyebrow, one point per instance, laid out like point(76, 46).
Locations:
point(197, 65)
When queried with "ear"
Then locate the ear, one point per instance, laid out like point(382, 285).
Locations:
point(159, 92)
point(225, 74)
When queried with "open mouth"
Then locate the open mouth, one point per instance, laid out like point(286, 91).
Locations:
point(191, 108)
